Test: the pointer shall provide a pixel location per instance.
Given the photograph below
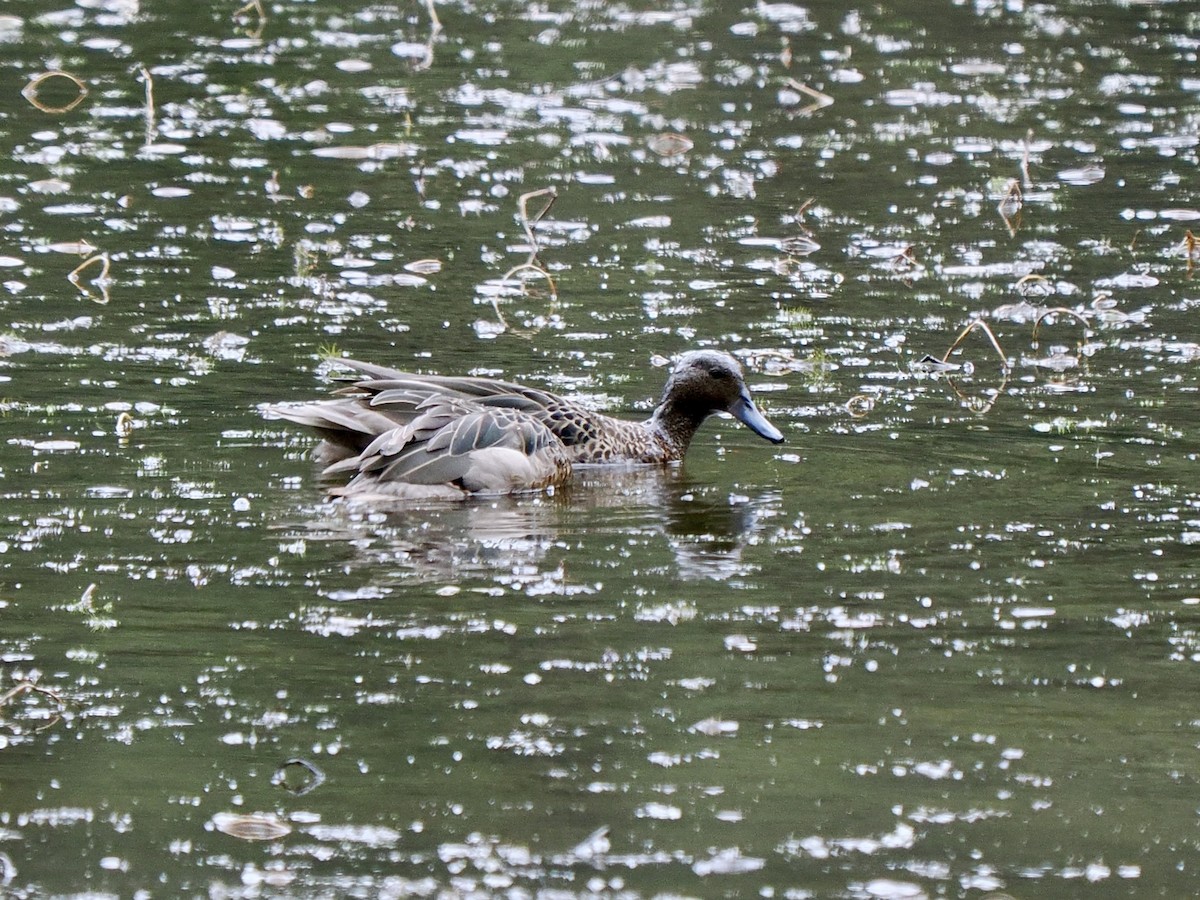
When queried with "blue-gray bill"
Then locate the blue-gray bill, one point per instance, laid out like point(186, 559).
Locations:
point(747, 413)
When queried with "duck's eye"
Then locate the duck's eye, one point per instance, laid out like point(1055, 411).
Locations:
point(721, 374)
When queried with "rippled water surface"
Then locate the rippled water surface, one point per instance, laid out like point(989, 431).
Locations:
point(941, 643)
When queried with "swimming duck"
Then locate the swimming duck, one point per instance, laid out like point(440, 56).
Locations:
point(406, 436)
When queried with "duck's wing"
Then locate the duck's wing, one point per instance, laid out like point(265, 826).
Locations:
point(374, 379)
point(380, 399)
point(345, 427)
point(576, 426)
point(456, 443)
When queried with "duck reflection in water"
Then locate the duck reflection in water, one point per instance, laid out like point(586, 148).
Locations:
point(523, 543)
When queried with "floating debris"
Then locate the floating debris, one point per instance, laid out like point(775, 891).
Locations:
point(312, 777)
point(1010, 205)
point(669, 144)
point(423, 266)
point(257, 827)
point(819, 99)
point(226, 345)
point(49, 186)
point(986, 329)
point(101, 281)
point(532, 265)
point(905, 264)
point(1085, 175)
point(931, 365)
point(1033, 285)
point(860, 405)
point(243, 14)
point(1057, 311)
point(148, 112)
point(799, 245)
point(25, 687)
point(31, 91)
point(73, 248)
point(422, 54)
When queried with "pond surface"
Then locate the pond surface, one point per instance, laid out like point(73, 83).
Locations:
point(941, 643)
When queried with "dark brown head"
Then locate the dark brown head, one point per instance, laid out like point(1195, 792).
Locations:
point(704, 382)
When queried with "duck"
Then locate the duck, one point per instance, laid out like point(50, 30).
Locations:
point(401, 435)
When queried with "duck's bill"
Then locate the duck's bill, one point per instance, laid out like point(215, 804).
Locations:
point(747, 413)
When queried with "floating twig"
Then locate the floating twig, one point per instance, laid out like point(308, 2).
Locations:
point(1009, 207)
point(433, 16)
point(820, 100)
point(1057, 311)
point(30, 91)
point(1189, 247)
point(980, 404)
point(986, 329)
point(256, 7)
point(1033, 285)
point(435, 28)
point(904, 264)
point(495, 300)
point(274, 189)
point(532, 264)
point(314, 776)
point(25, 687)
point(530, 267)
point(101, 281)
point(151, 126)
point(669, 144)
point(859, 406)
point(527, 222)
point(1025, 158)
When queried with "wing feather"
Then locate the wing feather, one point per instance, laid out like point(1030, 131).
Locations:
point(392, 427)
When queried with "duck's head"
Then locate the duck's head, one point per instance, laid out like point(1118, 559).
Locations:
point(704, 382)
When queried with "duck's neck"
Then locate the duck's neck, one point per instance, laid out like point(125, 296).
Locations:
point(674, 427)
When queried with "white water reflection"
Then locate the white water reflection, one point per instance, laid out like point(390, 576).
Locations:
point(957, 611)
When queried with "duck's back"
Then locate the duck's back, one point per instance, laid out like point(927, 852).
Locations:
point(588, 436)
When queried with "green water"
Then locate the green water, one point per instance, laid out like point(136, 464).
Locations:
point(941, 643)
